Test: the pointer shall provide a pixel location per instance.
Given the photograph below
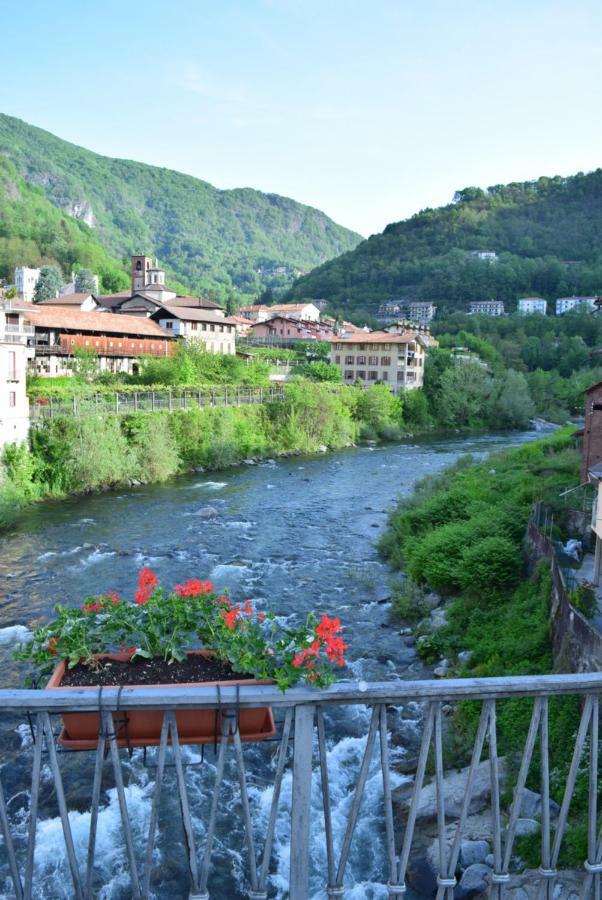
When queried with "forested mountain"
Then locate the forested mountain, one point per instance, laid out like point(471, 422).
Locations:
point(547, 235)
point(205, 237)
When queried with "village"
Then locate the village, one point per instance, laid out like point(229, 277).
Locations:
point(120, 331)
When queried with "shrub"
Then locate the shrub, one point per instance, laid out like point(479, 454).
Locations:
point(490, 564)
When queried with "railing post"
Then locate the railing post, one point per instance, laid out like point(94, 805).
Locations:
point(116, 404)
point(170, 401)
point(136, 401)
point(301, 805)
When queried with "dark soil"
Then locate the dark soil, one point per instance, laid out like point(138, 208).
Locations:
point(151, 671)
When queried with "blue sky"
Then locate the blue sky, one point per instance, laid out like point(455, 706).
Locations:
point(368, 110)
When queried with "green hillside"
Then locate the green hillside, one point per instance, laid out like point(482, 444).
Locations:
point(547, 235)
point(206, 238)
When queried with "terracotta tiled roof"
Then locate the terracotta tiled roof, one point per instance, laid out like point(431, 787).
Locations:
point(278, 307)
point(191, 315)
point(195, 302)
point(75, 299)
point(377, 337)
point(98, 322)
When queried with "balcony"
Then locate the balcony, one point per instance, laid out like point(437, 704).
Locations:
point(16, 334)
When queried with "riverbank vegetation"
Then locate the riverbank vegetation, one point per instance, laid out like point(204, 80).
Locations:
point(556, 356)
point(71, 454)
point(461, 535)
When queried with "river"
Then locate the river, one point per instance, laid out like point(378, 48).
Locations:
point(294, 535)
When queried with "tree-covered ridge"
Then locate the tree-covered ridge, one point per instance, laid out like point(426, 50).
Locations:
point(547, 235)
point(34, 232)
point(207, 238)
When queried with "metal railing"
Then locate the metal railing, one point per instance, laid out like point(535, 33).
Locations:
point(122, 403)
point(305, 717)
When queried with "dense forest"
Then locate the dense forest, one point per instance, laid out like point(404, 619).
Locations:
point(547, 235)
point(207, 239)
point(34, 232)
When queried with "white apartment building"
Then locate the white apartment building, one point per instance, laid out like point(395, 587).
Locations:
point(486, 308)
point(529, 305)
point(485, 255)
point(25, 282)
point(565, 304)
point(216, 331)
point(393, 359)
point(14, 353)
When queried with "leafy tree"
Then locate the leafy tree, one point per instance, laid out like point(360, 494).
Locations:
point(85, 282)
point(49, 284)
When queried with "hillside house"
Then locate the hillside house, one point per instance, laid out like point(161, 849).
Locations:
point(486, 308)
point(529, 306)
point(393, 359)
point(117, 340)
point(566, 304)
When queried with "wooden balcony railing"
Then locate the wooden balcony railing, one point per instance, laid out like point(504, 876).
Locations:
point(306, 719)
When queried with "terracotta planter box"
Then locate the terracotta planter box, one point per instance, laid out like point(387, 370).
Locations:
point(195, 726)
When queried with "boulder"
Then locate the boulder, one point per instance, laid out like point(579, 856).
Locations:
point(207, 512)
point(531, 806)
point(454, 788)
point(422, 877)
point(464, 656)
point(438, 619)
point(526, 826)
point(472, 852)
point(322, 448)
point(475, 879)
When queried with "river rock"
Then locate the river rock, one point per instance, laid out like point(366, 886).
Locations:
point(250, 462)
point(464, 656)
point(207, 512)
point(526, 826)
point(472, 852)
point(437, 619)
point(322, 448)
point(440, 671)
point(475, 879)
point(431, 601)
point(531, 805)
point(422, 877)
point(454, 788)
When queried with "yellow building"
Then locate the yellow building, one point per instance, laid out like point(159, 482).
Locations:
point(393, 359)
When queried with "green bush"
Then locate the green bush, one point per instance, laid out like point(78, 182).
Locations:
point(490, 564)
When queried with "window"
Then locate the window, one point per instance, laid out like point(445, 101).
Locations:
point(362, 346)
point(386, 347)
point(349, 375)
point(400, 376)
point(385, 361)
point(212, 327)
point(373, 360)
point(372, 375)
point(194, 325)
point(361, 360)
point(385, 376)
point(12, 364)
point(349, 360)
point(337, 360)
point(12, 399)
point(169, 325)
point(361, 374)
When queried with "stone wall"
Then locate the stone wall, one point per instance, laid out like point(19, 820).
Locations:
point(576, 644)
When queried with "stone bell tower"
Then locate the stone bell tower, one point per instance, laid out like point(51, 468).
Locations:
point(141, 266)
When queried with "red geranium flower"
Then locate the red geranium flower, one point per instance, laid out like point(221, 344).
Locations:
point(193, 588)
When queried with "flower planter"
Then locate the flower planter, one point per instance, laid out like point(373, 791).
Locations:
point(142, 728)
